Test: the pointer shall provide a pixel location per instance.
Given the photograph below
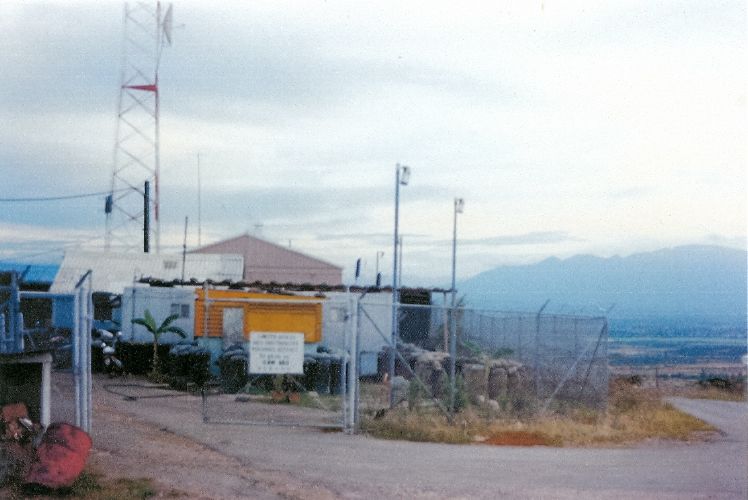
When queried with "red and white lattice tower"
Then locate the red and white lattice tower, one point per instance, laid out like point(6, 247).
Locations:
point(146, 31)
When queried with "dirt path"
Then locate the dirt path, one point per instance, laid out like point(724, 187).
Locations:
point(125, 446)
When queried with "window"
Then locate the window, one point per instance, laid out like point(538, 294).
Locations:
point(170, 264)
point(180, 310)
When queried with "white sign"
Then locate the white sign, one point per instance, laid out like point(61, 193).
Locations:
point(276, 353)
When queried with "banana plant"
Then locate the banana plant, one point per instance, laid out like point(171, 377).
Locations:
point(157, 330)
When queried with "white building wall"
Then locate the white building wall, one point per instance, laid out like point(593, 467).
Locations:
point(375, 317)
point(161, 302)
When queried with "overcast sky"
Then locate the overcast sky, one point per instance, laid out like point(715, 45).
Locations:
point(568, 127)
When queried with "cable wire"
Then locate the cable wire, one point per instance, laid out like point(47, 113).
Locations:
point(64, 197)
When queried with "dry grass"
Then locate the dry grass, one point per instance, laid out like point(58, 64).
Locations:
point(696, 391)
point(634, 414)
point(416, 426)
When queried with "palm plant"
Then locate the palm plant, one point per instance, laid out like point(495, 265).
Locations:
point(157, 330)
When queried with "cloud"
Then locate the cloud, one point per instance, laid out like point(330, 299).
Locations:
point(620, 123)
point(532, 238)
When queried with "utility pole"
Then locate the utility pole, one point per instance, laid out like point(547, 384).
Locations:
point(146, 216)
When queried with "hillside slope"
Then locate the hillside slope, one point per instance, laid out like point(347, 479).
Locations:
point(687, 281)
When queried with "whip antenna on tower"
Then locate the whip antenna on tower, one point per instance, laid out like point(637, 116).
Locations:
point(146, 30)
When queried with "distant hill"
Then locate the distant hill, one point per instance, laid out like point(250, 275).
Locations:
point(681, 282)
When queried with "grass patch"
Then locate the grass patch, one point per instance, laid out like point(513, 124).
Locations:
point(94, 486)
point(416, 426)
point(697, 391)
point(634, 414)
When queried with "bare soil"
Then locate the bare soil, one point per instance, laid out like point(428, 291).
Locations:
point(127, 447)
point(518, 438)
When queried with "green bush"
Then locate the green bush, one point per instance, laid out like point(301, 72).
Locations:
point(137, 359)
point(233, 373)
point(188, 364)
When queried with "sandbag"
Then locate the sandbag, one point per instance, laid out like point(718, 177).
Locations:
point(60, 456)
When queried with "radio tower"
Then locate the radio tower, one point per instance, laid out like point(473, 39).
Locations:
point(129, 207)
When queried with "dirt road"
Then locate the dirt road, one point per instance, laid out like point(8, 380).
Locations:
point(166, 439)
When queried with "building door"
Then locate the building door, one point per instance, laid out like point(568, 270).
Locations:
point(233, 326)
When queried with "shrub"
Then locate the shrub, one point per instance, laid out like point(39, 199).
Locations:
point(233, 363)
point(137, 359)
point(188, 364)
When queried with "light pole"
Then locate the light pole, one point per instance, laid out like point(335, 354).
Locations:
point(400, 262)
point(402, 176)
point(458, 209)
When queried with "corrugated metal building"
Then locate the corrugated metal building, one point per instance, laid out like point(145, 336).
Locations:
point(113, 271)
point(267, 262)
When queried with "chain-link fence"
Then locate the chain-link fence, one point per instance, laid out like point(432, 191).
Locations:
point(513, 361)
point(566, 356)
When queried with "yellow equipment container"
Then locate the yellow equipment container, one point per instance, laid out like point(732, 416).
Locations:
point(261, 312)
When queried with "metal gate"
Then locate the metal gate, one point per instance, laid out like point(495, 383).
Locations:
point(273, 369)
point(46, 344)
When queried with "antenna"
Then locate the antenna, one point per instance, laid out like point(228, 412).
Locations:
point(146, 30)
point(184, 247)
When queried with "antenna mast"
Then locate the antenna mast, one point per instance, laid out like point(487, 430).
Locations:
point(146, 30)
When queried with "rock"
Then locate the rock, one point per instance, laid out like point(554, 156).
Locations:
point(429, 367)
point(481, 399)
point(60, 457)
point(434, 358)
point(399, 387)
point(9, 415)
point(497, 382)
point(476, 382)
point(493, 405)
point(519, 380)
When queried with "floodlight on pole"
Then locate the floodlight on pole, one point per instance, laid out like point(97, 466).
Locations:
point(380, 253)
point(402, 176)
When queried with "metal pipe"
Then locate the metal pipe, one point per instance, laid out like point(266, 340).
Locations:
point(353, 366)
point(536, 361)
point(355, 363)
point(395, 294)
point(89, 379)
point(76, 357)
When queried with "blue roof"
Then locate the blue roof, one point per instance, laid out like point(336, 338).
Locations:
point(37, 273)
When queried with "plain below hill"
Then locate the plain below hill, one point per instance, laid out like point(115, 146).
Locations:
point(681, 282)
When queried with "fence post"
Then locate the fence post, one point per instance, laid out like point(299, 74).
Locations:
point(352, 417)
point(15, 321)
point(446, 328)
point(206, 310)
point(536, 362)
point(453, 356)
point(76, 356)
point(89, 379)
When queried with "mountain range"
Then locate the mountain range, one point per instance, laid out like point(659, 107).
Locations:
point(681, 282)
